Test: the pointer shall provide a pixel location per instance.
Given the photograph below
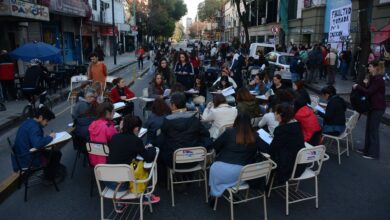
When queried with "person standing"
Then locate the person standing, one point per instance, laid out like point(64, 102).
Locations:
point(374, 89)
point(331, 61)
point(99, 52)
point(7, 76)
point(237, 63)
point(97, 70)
point(140, 53)
point(184, 71)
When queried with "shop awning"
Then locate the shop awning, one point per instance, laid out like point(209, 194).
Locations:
point(77, 8)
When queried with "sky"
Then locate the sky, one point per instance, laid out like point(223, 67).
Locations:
point(192, 8)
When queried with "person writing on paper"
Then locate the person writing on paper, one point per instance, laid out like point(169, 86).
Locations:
point(268, 120)
point(257, 85)
point(310, 126)
point(374, 89)
point(160, 110)
point(277, 83)
point(235, 148)
point(125, 147)
point(288, 140)
point(220, 114)
point(180, 129)
point(222, 84)
point(156, 87)
point(247, 103)
point(30, 135)
point(333, 122)
point(184, 71)
point(226, 72)
point(102, 130)
point(200, 86)
point(122, 93)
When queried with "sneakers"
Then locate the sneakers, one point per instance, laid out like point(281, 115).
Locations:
point(365, 156)
point(151, 199)
point(360, 151)
point(120, 207)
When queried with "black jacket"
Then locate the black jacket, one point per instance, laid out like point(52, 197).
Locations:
point(335, 111)
point(125, 147)
point(288, 140)
point(179, 130)
point(229, 152)
point(34, 77)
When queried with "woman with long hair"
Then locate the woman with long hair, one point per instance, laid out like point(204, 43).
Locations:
point(235, 148)
point(247, 103)
point(156, 88)
point(164, 69)
point(184, 71)
point(121, 93)
point(374, 88)
point(159, 109)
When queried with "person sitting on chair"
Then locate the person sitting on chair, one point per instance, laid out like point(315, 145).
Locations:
point(30, 135)
point(122, 93)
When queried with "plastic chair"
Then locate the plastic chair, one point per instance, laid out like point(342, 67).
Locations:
point(346, 135)
point(308, 155)
point(124, 173)
point(25, 173)
point(97, 149)
point(188, 155)
point(249, 172)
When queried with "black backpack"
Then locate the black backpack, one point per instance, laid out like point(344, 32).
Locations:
point(359, 101)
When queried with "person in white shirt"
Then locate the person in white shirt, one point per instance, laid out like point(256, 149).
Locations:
point(269, 119)
point(226, 72)
point(214, 51)
point(220, 114)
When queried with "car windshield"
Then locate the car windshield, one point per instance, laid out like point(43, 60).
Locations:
point(286, 60)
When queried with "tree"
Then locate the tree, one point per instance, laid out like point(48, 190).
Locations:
point(197, 28)
point(210, 9)
point(243, 16)
point(179, 31)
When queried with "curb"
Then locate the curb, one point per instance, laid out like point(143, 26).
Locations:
point(55, 99)
point(385, 118)
point(9, 185)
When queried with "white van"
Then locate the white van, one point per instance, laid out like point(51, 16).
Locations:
point(266, 48)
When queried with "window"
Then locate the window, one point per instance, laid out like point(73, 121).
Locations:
point(260, 39)
point(272, 11)
point(292, 9)
point(286, 60)
point(94, 5)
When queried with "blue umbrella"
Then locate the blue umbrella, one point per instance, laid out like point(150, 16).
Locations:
point(37, 50)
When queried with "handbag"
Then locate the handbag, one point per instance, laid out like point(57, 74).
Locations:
point(140, 173)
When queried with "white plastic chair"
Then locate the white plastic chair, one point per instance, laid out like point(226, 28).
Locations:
point(249, 172)
point(124, 173)
point(75, 82)
point(308, 155)
point(98, 149)
point(188, 155)
point(346, 135)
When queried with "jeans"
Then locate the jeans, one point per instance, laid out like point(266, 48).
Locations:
point(344, 70)
point(295, 77)
point(140, 63)
point(372, 143)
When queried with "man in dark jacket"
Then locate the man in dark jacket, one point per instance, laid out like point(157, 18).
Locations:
point(179, 130)
point(30, 135)
point(33, 83)
point(334, 116)
point(313, 64)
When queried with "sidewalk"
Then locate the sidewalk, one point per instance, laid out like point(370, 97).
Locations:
point(344, 87)
point(14, 108)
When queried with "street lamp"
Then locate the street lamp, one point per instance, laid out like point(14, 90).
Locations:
point(113, 31)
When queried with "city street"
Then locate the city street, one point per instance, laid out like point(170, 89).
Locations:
point(356, 189)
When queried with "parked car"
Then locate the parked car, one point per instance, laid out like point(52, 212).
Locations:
point(266, 48)
point(280, 63)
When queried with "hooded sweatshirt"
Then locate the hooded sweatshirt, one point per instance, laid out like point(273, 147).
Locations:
point(251, 108)
point(309, 122)
point(101, 131)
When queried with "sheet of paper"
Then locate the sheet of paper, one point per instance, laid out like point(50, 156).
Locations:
point(60, 136)
point(228, 91)
point(320, 109)
point(263, 97)
point(192, 91)
point(142, 132)
point(117, 115)
point(147, 99)
point(131, 99)
point(265, 136)
point(119, 105)
point(167, 92)
point(253, 92)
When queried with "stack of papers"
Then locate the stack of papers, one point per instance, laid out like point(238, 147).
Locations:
point(228, 91)
point(320, 109)
point(142, 132)
point(60, 137)
point(119, 105)
point(192, 91)
point(265, 136)
point(263, 97)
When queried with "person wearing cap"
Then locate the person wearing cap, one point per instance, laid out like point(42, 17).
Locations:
point(33, 82)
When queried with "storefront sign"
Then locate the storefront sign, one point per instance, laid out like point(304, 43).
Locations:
point(72, 7)
point(24, 9)
point(107, 31)
point(340, 20)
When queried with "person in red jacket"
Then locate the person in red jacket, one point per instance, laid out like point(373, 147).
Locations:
point(310, 126)
point(122, 93)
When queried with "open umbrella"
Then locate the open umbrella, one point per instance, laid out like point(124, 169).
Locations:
point(37, 50)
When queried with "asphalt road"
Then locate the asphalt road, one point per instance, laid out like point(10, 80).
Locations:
point(356, 189)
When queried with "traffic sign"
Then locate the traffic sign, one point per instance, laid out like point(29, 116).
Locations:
point(275, 29)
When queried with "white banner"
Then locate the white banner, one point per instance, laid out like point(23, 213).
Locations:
point(340, 20)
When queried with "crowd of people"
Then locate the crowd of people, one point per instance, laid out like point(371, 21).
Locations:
point(226, 124)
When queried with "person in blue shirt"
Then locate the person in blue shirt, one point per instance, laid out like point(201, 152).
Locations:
point(30, 135)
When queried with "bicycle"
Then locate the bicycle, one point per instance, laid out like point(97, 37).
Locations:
point(30, 109)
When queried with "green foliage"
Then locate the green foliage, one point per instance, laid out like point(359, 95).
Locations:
point(210, 9)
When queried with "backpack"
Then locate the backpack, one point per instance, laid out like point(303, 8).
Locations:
point(359, 101)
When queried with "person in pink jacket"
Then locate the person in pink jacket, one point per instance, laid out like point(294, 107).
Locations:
point(101, 130)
